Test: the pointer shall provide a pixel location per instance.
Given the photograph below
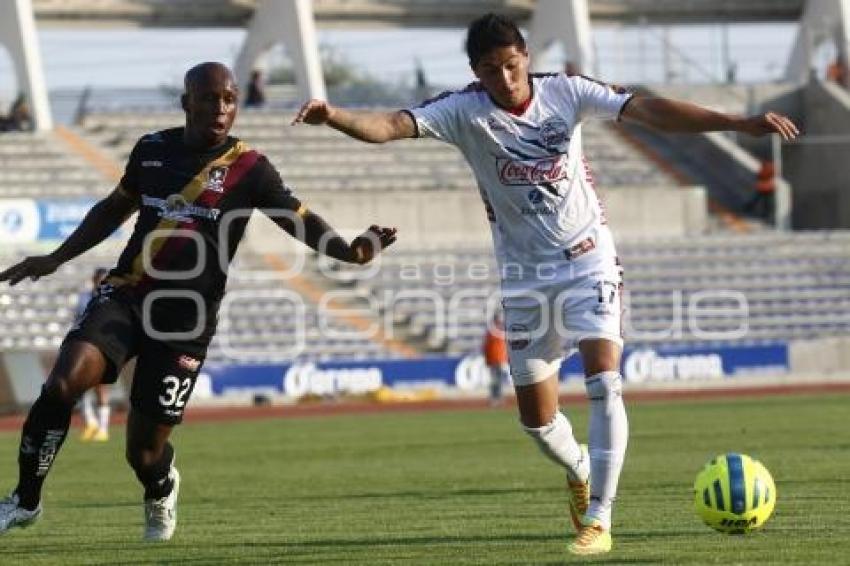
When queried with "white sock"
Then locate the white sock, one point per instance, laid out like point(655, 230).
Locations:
point(103, 417)
point(608, 435)
point(556, 441)
point(87, 406)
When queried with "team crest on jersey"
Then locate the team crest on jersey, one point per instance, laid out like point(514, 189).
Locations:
point(215, 179)
point(555, 134)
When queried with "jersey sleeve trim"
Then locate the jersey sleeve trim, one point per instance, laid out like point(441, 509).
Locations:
point(623, 107)
point(415, 123)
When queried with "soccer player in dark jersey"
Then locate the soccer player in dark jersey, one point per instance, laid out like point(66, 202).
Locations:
point(194, 188)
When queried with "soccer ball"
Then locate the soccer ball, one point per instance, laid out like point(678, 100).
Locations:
point(734, 494)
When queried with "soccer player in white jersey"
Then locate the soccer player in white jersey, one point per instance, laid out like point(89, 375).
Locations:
point(560, 275)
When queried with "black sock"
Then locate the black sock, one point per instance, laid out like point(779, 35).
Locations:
point(43, 434)
point(155, 478)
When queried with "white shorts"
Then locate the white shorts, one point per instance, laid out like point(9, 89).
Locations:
point(541, 324)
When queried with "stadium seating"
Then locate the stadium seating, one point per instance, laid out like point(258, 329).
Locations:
point(322, 159)
point(261, 320)
point(39, 165)
point(717, 289)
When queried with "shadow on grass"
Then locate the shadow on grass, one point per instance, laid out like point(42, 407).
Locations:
point(99, 504)
point(433, 494)
point(365, 542)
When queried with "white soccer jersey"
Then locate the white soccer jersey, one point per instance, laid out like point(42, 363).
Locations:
point(535, 184)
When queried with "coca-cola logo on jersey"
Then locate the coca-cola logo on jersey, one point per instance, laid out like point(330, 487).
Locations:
point(532, 171)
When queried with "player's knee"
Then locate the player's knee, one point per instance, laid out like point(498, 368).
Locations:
point(604, 386)
point(556, 441)
point(543, 435)
point(601, 362)
point(60, 390)
point(599, 356)
point(78, 368)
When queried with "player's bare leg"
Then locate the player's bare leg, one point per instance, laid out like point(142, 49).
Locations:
point(79, 367)
point(553, 434)
point(152, 458)
point(608, 435)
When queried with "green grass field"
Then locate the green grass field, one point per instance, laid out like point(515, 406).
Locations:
point(445, 488)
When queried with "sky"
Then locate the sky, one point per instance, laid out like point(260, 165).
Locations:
point(74, 58)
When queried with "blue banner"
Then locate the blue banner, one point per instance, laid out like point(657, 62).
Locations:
point(29, 220)
point(469, 373)
point(61, 217)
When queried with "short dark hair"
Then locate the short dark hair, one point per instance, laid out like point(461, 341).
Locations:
point(489, 32)
point(203, 71)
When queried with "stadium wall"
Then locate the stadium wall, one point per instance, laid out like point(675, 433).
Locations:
point(820, 357)
point(21, 377)
point(656, 211)
point(818, 168)
point(714, 159)
point(673, 368)
point(818, 163)
point(436, 219)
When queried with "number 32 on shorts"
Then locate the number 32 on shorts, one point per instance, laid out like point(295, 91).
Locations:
point(176, 391)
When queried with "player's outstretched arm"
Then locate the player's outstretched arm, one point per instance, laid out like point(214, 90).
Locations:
point(372, 127)
point(102, 220)
point(320, 236)
point(678, 116)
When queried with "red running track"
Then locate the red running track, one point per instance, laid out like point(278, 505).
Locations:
point(327, 408)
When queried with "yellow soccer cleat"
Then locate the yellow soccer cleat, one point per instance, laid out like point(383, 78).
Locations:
point(89, 432)
point(100, 436)
point(579, 501)
point(591, 539)
point(579, 492)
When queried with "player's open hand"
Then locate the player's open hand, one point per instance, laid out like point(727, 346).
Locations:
point(371, 242)
point(314, 112)
point(771, 123)
point(32, 267)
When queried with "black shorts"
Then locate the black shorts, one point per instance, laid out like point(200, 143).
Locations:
point(165, 373)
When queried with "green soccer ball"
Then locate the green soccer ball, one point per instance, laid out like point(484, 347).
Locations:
point(734, 494)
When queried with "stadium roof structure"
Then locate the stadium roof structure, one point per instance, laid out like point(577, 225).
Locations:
point(402, 13)
point(293, 23)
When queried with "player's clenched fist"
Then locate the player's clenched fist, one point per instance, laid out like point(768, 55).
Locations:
point(371, 242)
point(314, 112)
